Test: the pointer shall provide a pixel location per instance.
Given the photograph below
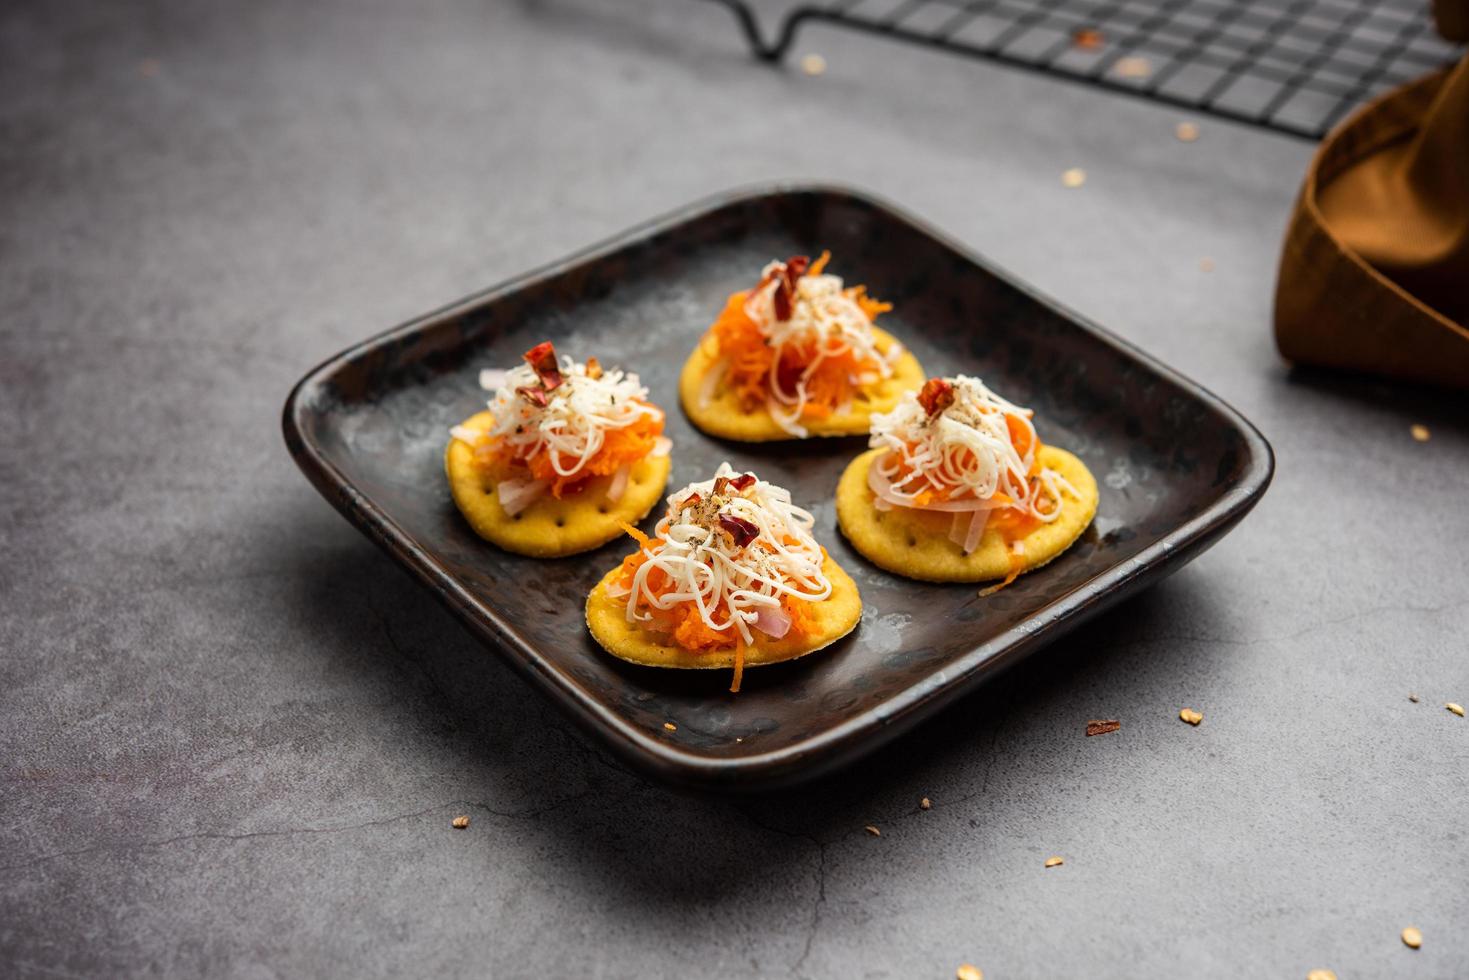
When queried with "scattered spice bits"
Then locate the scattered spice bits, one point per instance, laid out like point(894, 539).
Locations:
point(459, 822)
point(1457, 709)
point(1055, 862)
point(1102, 727)
point(1420, 433)
point(872, 830)
point(925, 804)
point(1133, 67)
point(813, 65)
point(1321, 975)
point(1191, 716)
point(1074, 177)
point(968, 971)
point(1087, 38)
point(670, 726)
point(1412, 937)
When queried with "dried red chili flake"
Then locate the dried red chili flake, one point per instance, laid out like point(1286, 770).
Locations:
point(542, 360)
point(785, 287)
point(936, 395)
point(594, 368)
point(739, 484)
point(740, 529)
point(1087, 38)
point(536, 396)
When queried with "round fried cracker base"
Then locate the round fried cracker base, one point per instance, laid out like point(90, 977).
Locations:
point(724, 418)
point(837, 615)
point(915, 543)
point(550, 528)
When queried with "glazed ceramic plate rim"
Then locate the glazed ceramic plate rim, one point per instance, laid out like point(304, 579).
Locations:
point(871, 727)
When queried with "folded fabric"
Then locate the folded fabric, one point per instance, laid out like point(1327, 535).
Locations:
point(1375, 271)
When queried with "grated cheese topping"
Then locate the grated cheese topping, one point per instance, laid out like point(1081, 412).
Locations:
point(963, 457)
point(825, 321)
point(708, 566)
point(572, 426)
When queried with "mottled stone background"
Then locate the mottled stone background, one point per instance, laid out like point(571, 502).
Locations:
point(232, 733)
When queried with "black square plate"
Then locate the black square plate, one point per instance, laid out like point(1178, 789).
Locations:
point(1177, 468)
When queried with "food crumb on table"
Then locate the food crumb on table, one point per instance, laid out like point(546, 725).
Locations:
point(1412, 937)
point(1457, 709)
point(1102, 727)
point(1055, 861)
point(459, 822)
point(1074, 177)
point(925, 804)
point(813, 64)
point(1191, 716)
point(1420, 433)
point(872, 830)
point(968, 971)
point(1186, 132)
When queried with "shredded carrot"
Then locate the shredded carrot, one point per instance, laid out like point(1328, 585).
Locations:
point(1017, 565)
point(738, 339)
point(734, 687)
point(642, 539)
point(683, 619)
point(620, 447)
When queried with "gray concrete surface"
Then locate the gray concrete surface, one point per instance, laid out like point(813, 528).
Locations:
point(232, 734)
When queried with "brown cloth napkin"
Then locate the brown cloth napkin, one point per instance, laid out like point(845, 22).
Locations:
point(1375, 272)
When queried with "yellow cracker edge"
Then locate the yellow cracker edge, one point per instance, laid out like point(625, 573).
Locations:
point(724, 418)
point(550, 528)
point(838, 615)
point(915, 544)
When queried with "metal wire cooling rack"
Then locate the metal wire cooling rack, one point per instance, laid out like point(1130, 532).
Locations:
point(1296, 66)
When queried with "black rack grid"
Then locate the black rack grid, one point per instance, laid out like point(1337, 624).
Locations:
point(1297, 66)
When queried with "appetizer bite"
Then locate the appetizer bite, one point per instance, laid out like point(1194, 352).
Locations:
point(731, 578)
point(958, 488)
point(566, 454)
point(796, 356)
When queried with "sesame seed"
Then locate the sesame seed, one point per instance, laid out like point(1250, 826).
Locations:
point(872, 830)
point(1457, 709)
point(1055, 861)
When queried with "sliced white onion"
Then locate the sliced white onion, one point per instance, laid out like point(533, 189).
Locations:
point(517, 495)
point(619, 483)
point(662, 446)
point(976, 530)
point(883, 487)
point(711, 382)
point(492, 379)
point(773, 621)
point(465, 434)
